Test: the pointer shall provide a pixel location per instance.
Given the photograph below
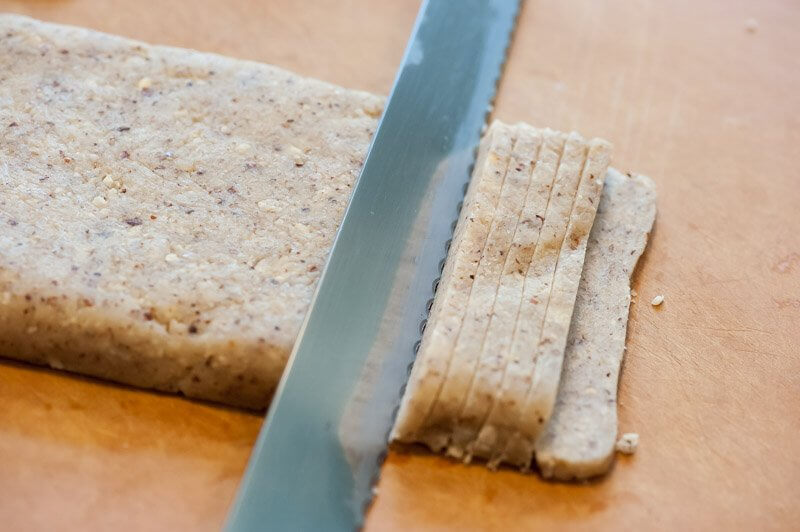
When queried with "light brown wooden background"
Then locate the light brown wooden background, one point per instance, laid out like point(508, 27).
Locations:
point(712, 378)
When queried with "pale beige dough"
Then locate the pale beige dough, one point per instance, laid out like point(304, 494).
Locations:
point(580, 437)
point(566, 189)
point(446, 316)
point(549, 354)
point(165, 213)
point(509, 296)
point(482, 297)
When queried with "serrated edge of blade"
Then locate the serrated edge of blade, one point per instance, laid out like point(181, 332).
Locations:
point(366, 504)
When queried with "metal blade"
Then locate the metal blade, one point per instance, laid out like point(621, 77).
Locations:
point(325, 436)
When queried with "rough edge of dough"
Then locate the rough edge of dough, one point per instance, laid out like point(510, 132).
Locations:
point(578, 443)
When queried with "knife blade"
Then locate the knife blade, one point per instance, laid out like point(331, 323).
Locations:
point(325, 435)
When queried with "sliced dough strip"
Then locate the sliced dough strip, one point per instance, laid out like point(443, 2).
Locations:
point(494, 351)
point(481, 303)
point(550, 349)
point(579, 439)
point(447, 313)
point(507, 409)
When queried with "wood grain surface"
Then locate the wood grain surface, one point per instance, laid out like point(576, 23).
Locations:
point(702, 95)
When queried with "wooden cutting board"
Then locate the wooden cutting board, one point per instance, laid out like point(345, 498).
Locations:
point(704, 96)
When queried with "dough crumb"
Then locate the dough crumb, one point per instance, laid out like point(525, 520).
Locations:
point(657, 300)
point(628, 443)
point(144, 84)
point(751, 25)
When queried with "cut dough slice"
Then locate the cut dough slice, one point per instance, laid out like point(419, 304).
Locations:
point(504, 419)
point(552, 342)
point(567, 201)
point(580, 437)
point(494, 351)
point(447, 314)
point(165, 213)
point(480, 305)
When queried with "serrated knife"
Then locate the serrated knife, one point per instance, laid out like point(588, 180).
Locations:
point(325, 435)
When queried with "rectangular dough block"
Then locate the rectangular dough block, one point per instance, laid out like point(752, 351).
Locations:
point(165, 213)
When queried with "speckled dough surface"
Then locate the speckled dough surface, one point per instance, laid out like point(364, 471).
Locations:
point(483, 298)
point(539, 395)
point(164, 213)
point(579, 439)
point(485, 396)
point(446, 315)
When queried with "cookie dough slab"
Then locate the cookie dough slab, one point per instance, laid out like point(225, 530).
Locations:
point(165, 213)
